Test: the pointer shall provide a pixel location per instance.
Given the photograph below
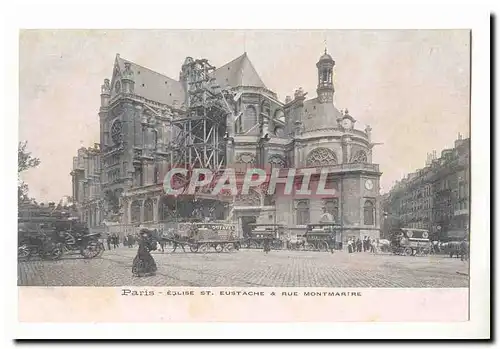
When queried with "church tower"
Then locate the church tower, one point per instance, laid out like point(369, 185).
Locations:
point(325, 88)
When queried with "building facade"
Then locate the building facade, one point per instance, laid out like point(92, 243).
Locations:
point(219, 118)
point(436, 197)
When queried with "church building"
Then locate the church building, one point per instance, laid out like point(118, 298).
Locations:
point(217, 118)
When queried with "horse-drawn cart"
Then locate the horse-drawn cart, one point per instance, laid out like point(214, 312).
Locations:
point(201, 237)
point(411, 242)
point(321, 236)
point(260, 233)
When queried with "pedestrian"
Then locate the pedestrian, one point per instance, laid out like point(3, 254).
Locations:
point(350, 245)
point(366, 242)
point(108, 241)
point(115, 241)
point(267, 246)
point(358, 245)
point(144, 263)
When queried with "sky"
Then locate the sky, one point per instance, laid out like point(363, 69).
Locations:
point(411, 86)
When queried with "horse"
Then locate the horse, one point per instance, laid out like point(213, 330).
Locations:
point(452, 248)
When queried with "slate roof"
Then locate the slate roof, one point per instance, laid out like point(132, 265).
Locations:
point(160, 88)
point(154, 86)
point(318, 116)
point(239, 72)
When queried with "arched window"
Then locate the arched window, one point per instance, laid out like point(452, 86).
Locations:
point(321, 157)
point(148, 210)
point(303, 212)
point(135, 212)
point(165, 209)
point(332, 207)
point(368, 213)
point(250, 119)
point(277, 161)
point(360, 157)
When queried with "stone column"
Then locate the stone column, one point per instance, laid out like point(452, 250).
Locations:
point(155, 209)
point(142, 210)
point(346, 148)
point(128, 205)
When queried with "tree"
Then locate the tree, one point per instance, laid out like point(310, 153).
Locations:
point(25, 161)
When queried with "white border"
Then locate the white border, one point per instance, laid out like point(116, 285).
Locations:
point(261, 14)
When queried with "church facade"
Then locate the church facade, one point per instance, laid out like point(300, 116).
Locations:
point(141, 117)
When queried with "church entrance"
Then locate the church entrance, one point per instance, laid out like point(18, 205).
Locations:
point(245, 225)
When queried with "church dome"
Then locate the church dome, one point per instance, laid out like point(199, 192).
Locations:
point(320, 116)
point(325, 57)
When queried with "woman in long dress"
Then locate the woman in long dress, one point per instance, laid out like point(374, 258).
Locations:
point(144, 264)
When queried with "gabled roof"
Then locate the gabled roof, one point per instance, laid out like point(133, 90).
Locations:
point(239, 72)
point(154, 86)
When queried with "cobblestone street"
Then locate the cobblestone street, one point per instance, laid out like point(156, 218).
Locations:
point(250, 268)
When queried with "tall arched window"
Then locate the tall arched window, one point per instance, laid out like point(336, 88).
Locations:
point(250, 119)
point(369, 213)
point(135, 212)
point(165, 209)
point(303, 212)
point(332, 207)
point(148, 210)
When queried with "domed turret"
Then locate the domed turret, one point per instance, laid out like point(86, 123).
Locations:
point(325, 88)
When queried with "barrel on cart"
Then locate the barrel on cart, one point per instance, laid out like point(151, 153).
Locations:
point(274, 233)
point(322, 237)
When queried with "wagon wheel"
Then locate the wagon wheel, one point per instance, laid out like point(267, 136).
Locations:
point(203, 248)
point(310, 247)
point(169, 246)
point(91, 250)
point(322, 246)
point(23, 252)
point(229, 247)
point(219, 248)
point(253, 244)
point(408, 251)
point(193, 248)
point(55, 253)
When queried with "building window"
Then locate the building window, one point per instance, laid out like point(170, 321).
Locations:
point(332, 207)
point(321, 157)
point(368, 213)
point(303, 212)
point(249, 119)
point(135, 212)
point(148, 210)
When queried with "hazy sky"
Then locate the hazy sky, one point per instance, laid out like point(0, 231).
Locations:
point(411, 87)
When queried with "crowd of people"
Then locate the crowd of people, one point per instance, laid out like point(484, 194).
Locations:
point(113, 241)
point(366, 245)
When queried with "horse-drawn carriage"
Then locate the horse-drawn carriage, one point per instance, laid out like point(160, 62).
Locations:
point(262, 233)
point(201, 237)
point(322, 236)
point(50, 237)
point(410, 242)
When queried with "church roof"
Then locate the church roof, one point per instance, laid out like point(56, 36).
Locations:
point(154, 86)
point(239, 72)
point(320, 116)
point(160, 88)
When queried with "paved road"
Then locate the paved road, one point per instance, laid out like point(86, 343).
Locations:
point(250, 268)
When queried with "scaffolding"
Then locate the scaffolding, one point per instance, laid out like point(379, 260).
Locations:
point(198, 136)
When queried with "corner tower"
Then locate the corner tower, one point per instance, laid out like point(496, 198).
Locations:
point(325, 88)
